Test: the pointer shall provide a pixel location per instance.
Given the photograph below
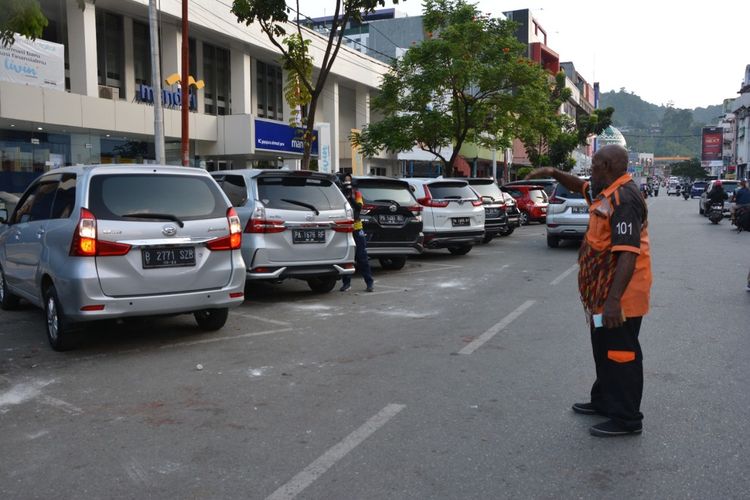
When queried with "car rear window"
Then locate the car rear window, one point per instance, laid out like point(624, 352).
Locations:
point(451, 190)
point(234, 187)
point(375, 191)
point(538, 196)
point(488, 189)
point(700, 184)
point(299, 193)
point(564, 192)
point(112, 196)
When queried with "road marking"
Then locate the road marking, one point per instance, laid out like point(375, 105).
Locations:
point(328, 459)
point(62, 405)
point(227, 337)
point(258, 318)
point(564, 275)
point(442, 268)
point(497, 328)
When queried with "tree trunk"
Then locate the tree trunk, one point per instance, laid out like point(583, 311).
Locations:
point(309, 128)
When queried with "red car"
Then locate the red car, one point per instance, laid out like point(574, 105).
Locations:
point(532, 201)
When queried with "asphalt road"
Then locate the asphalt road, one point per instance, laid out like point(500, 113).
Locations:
point(454, 379)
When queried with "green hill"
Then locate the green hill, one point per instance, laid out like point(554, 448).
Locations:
point(662, 130)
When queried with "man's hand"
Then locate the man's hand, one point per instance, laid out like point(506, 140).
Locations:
point(612, 316)
point(540, 173)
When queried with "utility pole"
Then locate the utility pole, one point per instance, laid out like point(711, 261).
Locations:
point(185, 149)
point(156, 84)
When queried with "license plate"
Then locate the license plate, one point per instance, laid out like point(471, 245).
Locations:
point(308, 235)
point(492, 213)
point(391, 219)
point(460, 221)
point(168, 257)
point(580, 210)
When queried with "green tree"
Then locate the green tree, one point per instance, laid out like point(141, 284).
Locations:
point(546, 128)
point(303, 90)
point(574, 135)
point(689, 168)
point(24, 17)
point(468, 81)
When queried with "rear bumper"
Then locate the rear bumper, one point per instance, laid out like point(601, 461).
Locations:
point(386, 249)
point(495, 226)
point(450, 239)
point(300, 272)
point(567, 230)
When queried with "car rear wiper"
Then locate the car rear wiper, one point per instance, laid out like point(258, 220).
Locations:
point(394, 202)
point(147, 215)
point(302, 204)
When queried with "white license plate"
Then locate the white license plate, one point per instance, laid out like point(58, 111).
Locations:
point(580, 210)
point(155, 257)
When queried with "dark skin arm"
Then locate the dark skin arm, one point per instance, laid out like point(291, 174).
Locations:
point(612, 315)
point(571, 182)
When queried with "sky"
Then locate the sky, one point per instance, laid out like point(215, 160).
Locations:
point(692, 54)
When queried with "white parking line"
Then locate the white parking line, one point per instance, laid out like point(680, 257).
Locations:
point(564, 275)
point(497, 328)
point(328, 459)
point(227, 337)
point(258, 318)
point(61, 405)
point(441, 268)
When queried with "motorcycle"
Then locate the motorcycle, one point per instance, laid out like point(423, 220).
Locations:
point(741, 218)
point(716, 213)
point(686, 193)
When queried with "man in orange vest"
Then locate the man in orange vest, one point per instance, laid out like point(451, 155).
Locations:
point(614, 281)
point(362, 261)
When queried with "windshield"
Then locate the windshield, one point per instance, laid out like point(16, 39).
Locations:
point(488, 189)
point(538, 195)
point(374, 192)
point(564, 192)
point(451, 191)
point(299, 193)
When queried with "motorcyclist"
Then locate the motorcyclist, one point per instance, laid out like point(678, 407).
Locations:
point(740, 198)
point(716, 195)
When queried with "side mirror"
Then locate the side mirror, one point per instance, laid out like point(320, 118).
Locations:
point(3, 216)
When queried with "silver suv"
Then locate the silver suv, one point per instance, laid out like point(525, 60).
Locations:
point(100, 242)
point(297, 224)
point(567, 216)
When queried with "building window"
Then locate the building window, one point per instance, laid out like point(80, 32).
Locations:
point(110, 50)
point(270, 94)
point(141, 53)
point(217, 78)
point(57, 29)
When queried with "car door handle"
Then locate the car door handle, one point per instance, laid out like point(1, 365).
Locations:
point(40, 233)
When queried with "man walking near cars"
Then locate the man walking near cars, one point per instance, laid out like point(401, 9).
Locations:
point(614, 281)
point(362, 261)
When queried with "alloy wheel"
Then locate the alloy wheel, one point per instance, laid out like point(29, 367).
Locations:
point(2, 287)
point(52, 319)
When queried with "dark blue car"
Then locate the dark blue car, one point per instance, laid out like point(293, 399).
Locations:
point(696, 190)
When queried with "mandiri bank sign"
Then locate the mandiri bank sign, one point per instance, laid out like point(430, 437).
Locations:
point(281, 138)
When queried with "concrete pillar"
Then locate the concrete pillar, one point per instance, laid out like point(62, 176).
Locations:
point(82, 47)
point(330, 101)
point(171, 51)
point(198, 74)
point(129, 76)
point(241, 83)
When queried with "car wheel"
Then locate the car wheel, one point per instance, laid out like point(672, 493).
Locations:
point(523, 219)
point(553, 241)
point(59, 327)
point(508, 231)
point(462, 250)
point(8, 301)
point(392, 263)
point(487, 238)
point(322, 285)
point(700, 209)
point(211, 319)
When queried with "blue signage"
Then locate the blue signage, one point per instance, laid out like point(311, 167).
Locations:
point(169, 99)
point(279, 137)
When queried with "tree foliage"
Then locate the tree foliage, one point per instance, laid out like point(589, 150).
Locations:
point(689, 168)
point(24, 17)
point(468, 81)
point(303, 89)
point(547, 129)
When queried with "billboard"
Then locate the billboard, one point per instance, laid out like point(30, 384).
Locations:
point(711, 145)
point(281, 138)
point(33, 62)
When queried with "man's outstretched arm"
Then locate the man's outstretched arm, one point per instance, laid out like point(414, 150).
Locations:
point(571, 182)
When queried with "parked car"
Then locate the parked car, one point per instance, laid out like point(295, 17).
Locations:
point(512, 213)
point(297, 224)
point(452, 214)
point(673, 188)
point(729, 187)
point(547, 184)
point(532, 202)
point(495, 218)
point(99, 242)
point(391, 218)
point(567, 216)
point(697, 189)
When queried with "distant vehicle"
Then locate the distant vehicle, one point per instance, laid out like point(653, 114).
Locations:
point(729, 187)
point(452, 214)
point(673, 188)
point(567, 216)
point(512, 213)
point(532, 202)
point(495, 217)
point(547, 184)
point(297, 224)
point(113, 241)
point(697, 189)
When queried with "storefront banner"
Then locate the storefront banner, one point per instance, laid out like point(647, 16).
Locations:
point(281, 138)
point(39, 63)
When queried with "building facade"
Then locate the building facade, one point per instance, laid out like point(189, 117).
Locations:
point(740, 108)
point(102, 109)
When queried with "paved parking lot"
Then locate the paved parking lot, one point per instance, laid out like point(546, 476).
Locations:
point(453, 379)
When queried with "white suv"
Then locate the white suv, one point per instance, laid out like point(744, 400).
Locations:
point(453, 214)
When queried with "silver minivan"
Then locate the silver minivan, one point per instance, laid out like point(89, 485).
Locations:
point(115, 241)
point(297, 224)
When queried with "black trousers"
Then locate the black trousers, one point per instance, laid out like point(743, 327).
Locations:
point(618, 388)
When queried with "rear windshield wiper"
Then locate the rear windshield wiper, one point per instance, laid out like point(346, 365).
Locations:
point(147, 215)
point(393, 202)
point(302, 204)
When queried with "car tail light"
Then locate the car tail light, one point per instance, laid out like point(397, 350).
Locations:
point(556, 201)
point(366, 209)
point(236, 295)
point(233, 240)
point(93, 307)
point(343, 225)
point(415, 210)
point(348, 265)
point(86, 244)
point(477, 203)
point(427, 200)
point(259, 224)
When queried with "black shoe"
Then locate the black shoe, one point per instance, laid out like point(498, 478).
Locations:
point(610, 428)
point(369, 288)
point(345, 287)
point(585, 409)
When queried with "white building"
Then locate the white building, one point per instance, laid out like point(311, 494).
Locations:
point(103, 111)
point(741, 110)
